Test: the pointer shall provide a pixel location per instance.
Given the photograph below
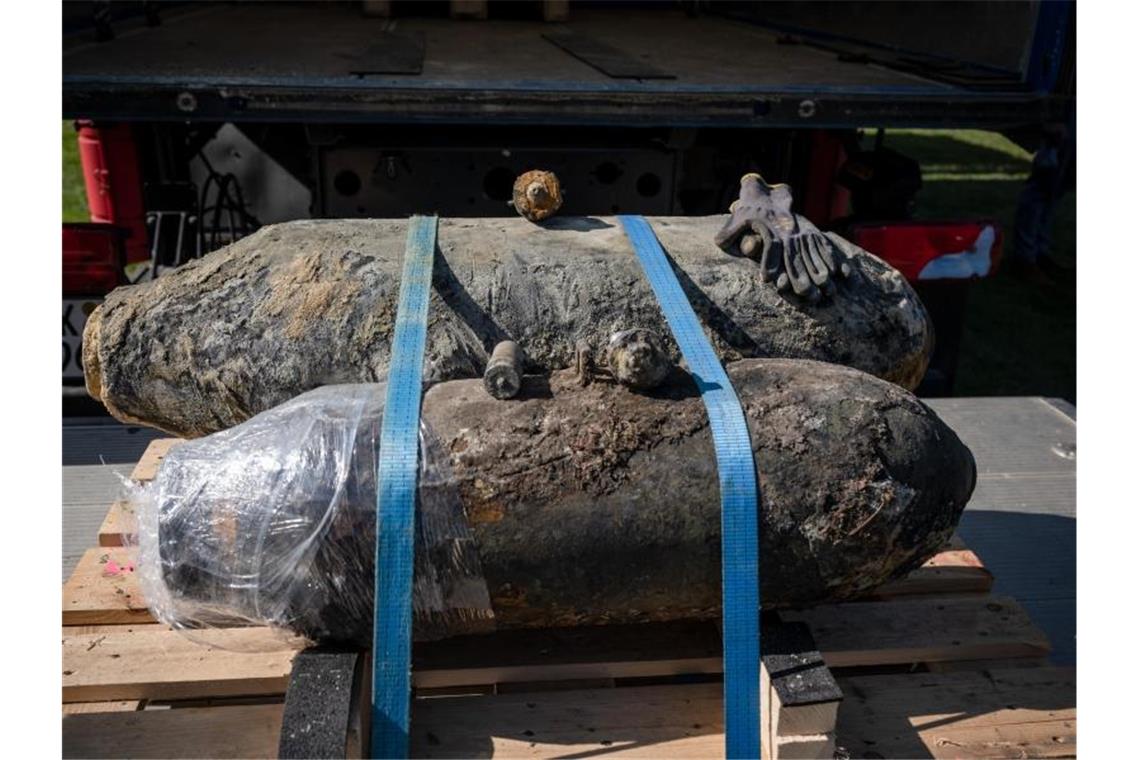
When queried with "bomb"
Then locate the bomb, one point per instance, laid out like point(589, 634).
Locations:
point(567, 505)
point(313, 302)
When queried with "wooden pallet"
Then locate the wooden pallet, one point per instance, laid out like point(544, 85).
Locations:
point(134, 688)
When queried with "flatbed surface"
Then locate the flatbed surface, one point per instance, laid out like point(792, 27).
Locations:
point(1022, 518)
point(303, 42)
point(329, 62)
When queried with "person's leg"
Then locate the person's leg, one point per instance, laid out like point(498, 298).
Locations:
point(1063, 181)
point(1033, 210)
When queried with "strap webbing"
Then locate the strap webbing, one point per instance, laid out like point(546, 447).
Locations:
point(396, 500)
point(740, 545)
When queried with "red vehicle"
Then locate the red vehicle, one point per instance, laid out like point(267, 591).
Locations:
point(93, 265)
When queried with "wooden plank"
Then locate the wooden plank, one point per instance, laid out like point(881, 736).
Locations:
point(119, 523)
point(1001, 714)
point(1022, 712)
point(461, 691)
point(909, 630)
point(164, 664)
point(802, 720)
point(618, 651)
point(901, 631)
point(149, 462)
point(104, 590)
point(951, 571)
point(805, 747)
point(999, 664)
point(125, 705)
point(216, 732)
point(120, 520)
point(600, 669)
point(680, 721)
point(117, 628)
point(938, 693)
point(799, 697)
point(521, 687)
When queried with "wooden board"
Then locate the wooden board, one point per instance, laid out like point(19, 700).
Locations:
point(901, 631)
point(119, 523)
point(118, 628)
point(148, 464)
point(618, 651)
point(1016, 713)
point(214, 732)
point(601, 668)
point(919, 629)
point(104, 590)
point(120, 520)
point(799, 697)
point(1023, 712)
point(679, 721)
point(124, 705)
point(952, 571)
point(164, 664)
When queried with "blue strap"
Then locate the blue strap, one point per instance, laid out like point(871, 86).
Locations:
point(739, 497)
point(396, 500)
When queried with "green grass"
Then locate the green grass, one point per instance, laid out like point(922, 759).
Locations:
point(74, 193)
point(1019, 339)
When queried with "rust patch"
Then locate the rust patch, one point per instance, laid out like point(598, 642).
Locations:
point(509, 596)
point(486, 512)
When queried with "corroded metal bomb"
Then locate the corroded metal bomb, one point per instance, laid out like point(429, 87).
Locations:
point(586, 504)
point(313, 302)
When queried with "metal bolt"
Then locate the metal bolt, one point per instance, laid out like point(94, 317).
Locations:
point(503, 376)
point(807, 109)
point(186, 102)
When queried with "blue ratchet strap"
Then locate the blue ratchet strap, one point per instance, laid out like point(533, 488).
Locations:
point(396, 500)
point(739, 497)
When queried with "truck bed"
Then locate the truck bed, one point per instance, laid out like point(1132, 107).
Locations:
point(653, 66)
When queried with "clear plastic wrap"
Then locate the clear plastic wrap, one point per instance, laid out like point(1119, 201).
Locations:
point(272, 522)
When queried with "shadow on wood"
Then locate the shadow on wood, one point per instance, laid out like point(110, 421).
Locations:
point(1022, 712)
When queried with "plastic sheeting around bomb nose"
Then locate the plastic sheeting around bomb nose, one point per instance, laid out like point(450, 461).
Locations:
point(263, 524)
